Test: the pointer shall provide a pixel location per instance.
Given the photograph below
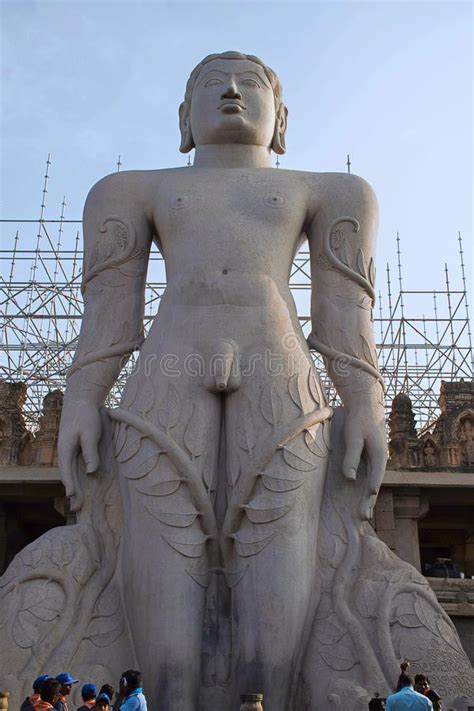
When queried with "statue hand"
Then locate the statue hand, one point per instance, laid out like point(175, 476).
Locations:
point(364, 432)
point(79, 433)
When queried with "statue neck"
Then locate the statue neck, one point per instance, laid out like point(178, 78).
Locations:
point(232, 155)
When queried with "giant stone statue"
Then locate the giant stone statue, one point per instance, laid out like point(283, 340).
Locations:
point(222, 542)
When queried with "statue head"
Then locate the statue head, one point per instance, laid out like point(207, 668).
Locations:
point(233, 98)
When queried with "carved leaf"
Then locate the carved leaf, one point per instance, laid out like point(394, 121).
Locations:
point(271, 404)
point(131, 390)
point(24, 632)
point(209, 468)
point(426, 614)
point(142, 466)
point(33, 554)
point(279, 485)
point(170, 409)
point(343, 251)
point(348, 345)
point(84, 567)
point(327, 434)
point(328, 632)
point(105, 639)
point(449, 635)
point(201, 578)
point(409, 620)
point(147, 400)
point(322, 332)
point(339, 656)
point(195, 434)
point(245, 431)
point(234, 577)
point(297, 456)
point(368, 353)
point(109, 603)
point(372, 271)
point(331, 550)
point(361, 263)
point(233, 471)
point(120, 437)
point(314, 446)
point(132, 445)
point(313, 387)
point(62, 552)
point(367, 599)
point(121, 335)
point(191, 545)
point(164, 488)
point(294, 391)
point(178, 520)
point(263, 510)
point(247, 545)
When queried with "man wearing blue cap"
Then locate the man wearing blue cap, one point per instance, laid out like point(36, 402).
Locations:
point(66, 681)
point(30, 701)
point(88, 693)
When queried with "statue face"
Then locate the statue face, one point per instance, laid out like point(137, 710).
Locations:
point(232, 102)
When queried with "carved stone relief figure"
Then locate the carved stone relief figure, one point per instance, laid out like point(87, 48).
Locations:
point(466, 438)
point(429, 454)
point(222, 542)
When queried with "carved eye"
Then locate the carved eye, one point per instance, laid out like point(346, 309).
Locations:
point(214, 81)
point(251, 82)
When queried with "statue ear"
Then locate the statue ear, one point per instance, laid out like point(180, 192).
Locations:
point(278, 141)
point(187, 142)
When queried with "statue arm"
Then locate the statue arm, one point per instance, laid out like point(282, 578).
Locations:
point(117, 239)
point(342, 240)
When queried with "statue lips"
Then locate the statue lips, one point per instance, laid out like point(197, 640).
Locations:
point(231, 107)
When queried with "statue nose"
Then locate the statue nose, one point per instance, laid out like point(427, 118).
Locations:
point(231, 92)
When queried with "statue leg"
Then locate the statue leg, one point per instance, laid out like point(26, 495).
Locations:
point(167, 442)
point(275, 534)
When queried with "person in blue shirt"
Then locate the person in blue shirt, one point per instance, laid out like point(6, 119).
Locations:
point(131, 689)
point(407, 699)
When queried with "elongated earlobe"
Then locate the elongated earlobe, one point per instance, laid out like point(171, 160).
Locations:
point(187, 142)
point(278, 142)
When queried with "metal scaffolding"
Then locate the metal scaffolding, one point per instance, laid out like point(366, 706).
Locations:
point(423, 337)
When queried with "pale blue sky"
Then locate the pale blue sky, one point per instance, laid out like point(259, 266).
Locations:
point(388, 82)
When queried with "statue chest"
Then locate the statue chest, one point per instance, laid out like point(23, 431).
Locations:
point(239, 204)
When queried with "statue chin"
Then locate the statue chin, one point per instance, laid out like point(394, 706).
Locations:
point(62, 606)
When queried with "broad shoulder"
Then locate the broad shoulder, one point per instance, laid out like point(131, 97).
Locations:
point(331, 195)
point(345, 188)
point(130, 187)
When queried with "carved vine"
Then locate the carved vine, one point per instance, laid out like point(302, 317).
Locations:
point(116, 248)
point(364, 275)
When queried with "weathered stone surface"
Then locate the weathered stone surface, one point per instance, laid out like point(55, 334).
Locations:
point(213, 547)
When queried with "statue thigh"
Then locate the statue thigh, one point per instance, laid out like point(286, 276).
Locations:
point(175, 438)
point(276, 537)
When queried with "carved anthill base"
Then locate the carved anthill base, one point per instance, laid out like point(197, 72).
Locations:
point(61, 606)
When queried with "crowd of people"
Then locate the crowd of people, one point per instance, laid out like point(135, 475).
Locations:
point(52, 692)
point(411, 694)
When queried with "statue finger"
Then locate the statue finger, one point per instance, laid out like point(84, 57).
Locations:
point(90, 451)
point(67, 452)
point(354, 445)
